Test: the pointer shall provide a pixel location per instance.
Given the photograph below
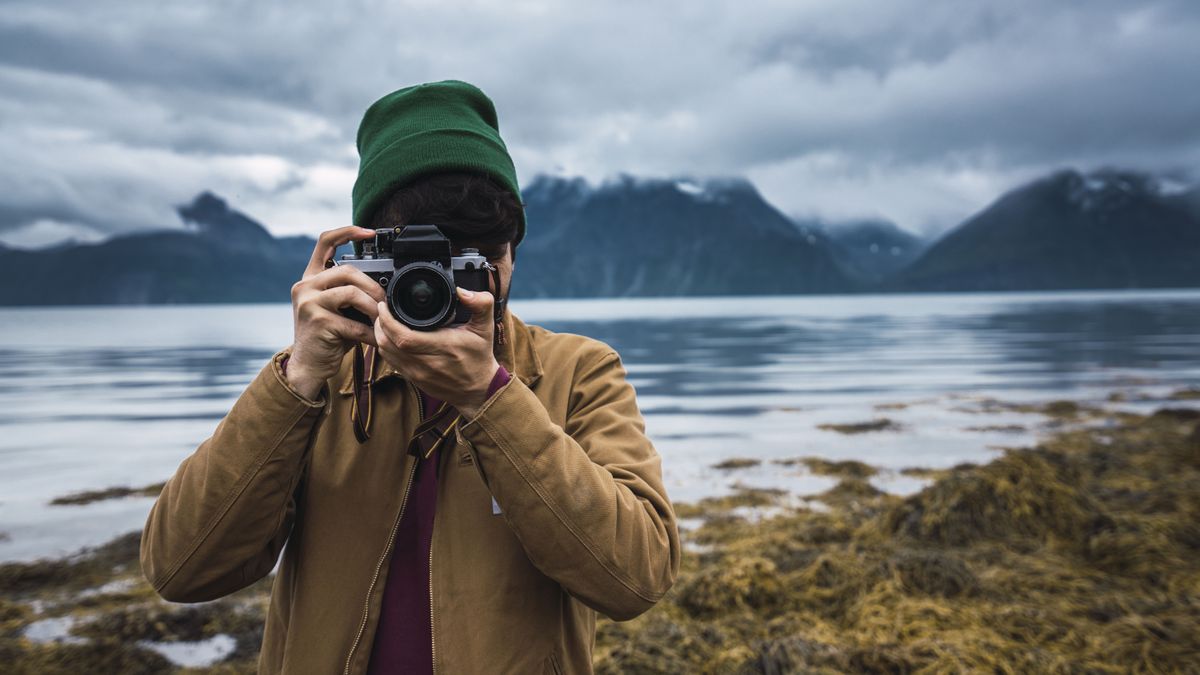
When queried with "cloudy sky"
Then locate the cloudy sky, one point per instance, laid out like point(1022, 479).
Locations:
point(921, 112)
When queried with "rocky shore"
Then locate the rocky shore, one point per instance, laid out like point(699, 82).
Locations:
point(1079, 555)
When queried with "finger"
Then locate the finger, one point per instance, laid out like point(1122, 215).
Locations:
point(341, 327)
point(343, 275)
point(403, 337)
point(351, 330)
point(381, 338)
point(482, 306)
point(338, 297)
point(328, 242)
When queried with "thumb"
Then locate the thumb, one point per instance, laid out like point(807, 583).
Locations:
point(481, 304)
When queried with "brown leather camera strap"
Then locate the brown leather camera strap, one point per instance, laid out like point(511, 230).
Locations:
point(364, 372)
point(433, 432)
point(430, 434)
point(499, 303)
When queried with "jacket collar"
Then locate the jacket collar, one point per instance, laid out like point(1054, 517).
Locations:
point(517, 356)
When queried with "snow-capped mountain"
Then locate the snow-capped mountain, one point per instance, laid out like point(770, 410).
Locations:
point(1104, 229)
point(666, 237)
point(674, 237)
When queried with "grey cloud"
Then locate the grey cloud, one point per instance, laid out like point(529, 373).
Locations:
point(919, 110)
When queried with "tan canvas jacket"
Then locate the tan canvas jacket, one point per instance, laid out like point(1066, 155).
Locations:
point(585, 523)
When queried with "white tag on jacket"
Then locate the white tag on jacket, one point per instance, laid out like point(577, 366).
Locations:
point(495, 507)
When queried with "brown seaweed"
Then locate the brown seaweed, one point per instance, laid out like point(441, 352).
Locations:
point(1081, 555)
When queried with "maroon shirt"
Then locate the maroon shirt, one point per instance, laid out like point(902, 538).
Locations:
point(404, 636)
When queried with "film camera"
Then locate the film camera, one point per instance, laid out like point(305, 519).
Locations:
point(415, 265)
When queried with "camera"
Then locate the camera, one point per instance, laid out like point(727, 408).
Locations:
point(415, 266)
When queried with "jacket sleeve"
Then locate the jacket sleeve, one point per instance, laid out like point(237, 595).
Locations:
point(220, 522)
point(586, 501)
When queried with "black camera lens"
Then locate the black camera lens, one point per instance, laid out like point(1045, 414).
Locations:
point(421, 296)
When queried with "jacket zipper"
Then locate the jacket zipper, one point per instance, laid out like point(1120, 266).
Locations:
point(391, 539)
point(432, 638)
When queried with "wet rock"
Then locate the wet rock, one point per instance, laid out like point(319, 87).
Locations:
point(737, 463)
point(90, 496)
point(881, 424)
point(1062, 409)
point(824, 467)
point(1178, 414)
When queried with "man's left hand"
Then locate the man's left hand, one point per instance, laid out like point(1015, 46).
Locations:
point(455, 364)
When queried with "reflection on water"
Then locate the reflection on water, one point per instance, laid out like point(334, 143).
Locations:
point(97, 397)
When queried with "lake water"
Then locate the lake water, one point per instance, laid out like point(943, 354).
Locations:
point(99, 397)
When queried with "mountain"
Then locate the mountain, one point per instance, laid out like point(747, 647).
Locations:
point(627, 237)
point(657, 237)
point(873, 250)
point(221, 256)
point(1104, 229)
point(209, 216)
point(678, 237)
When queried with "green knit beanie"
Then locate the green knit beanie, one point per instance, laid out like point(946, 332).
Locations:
point(428, 128)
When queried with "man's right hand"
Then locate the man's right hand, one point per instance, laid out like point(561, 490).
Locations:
point(322, 335)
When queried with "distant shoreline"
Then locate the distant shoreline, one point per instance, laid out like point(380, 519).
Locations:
point(1048, 294)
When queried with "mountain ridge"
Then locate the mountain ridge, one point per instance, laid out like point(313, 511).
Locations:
point(1068, 230)
point(680, 236)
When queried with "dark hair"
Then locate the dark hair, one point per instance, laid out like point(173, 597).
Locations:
point(467, 206)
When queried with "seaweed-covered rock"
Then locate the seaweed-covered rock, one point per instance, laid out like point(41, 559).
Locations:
point(13, 617)
point(820, 466)
point(71, 659)
point(879, 424)
point(657, 645)
point(149, 622)
point(90, 566)
point(932, 573)
point(834, 582)
point(1026, 493)
point(791, 654)
point(745, 583)
point(737, 463)
point(1151, 644)
point(850, 492)
point(18, 578)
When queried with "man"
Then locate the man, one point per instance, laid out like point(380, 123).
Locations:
point(463, 500)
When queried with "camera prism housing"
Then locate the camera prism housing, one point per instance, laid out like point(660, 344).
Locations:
point(415, 266)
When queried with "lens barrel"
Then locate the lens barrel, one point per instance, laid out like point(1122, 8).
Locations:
point(422, 296)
